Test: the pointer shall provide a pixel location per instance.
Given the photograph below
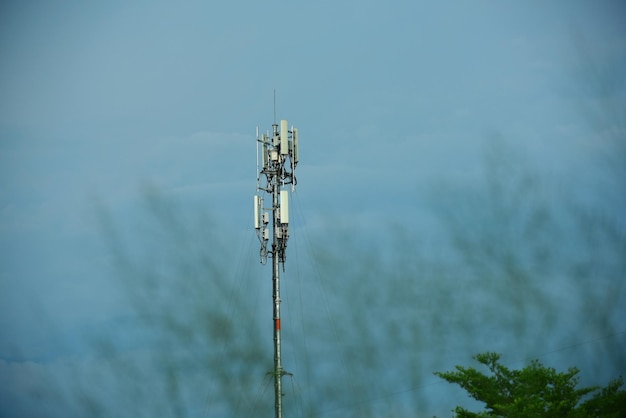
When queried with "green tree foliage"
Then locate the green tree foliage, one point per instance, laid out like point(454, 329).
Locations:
point(534, 391)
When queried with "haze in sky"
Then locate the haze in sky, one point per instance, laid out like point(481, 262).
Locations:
point(99, 101)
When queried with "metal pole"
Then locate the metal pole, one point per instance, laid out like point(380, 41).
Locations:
point(278, 370)
point(275, 153)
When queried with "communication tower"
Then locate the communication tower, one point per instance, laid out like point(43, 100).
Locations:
point(277, 158)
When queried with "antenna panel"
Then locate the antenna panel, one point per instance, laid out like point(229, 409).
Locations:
point(264, 156)
point(284, 207)
point(296, 153)
point(284, 137)
point(258, 202)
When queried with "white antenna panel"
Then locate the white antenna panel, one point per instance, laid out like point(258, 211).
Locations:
point(284, 137)
point(264, 155)
point(257, 215)
point(296, 154)
point(284, 206)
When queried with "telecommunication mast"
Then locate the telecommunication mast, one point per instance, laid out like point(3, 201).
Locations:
point(277, 158)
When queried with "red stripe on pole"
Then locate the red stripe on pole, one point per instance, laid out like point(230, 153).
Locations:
point(277, 324)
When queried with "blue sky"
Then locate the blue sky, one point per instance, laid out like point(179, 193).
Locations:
point(98, 99)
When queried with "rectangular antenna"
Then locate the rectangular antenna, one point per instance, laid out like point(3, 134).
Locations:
point(284, 137)
point(284, 206)
point(258, 202)
point(296, 153)
point(264, 155)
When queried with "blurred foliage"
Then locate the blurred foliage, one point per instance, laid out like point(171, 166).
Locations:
point(194, 342)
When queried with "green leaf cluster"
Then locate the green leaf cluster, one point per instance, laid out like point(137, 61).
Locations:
point(534, 391)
